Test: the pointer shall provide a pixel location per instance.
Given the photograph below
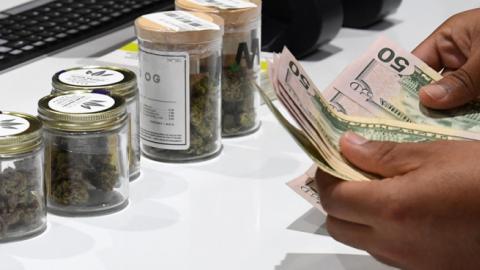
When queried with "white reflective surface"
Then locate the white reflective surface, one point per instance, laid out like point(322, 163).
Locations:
point(232, 212)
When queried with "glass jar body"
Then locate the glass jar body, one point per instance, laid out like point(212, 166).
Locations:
point(241, 70)
point(134, 153)
point(193, 132)
point(22, 197)
point(86, 172)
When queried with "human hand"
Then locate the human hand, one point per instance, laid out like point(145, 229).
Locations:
point(423, 214)
point(454, 48)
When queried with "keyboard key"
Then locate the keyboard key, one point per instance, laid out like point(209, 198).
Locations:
point(78, 5)
point(50, 39)
point(61, 35)
point(30, 22)
point(38, 43)
point(16, 52)
point(83, 27)
point(70, 24)
point(42, 18)
point(48, 24)
point(60, 19)
point(4, 49)
point(58, 29)
point(46, 9)
point(17, 44)
point(23, 33)
point(84, 11)
point(5, 31)
point(33, 38)
point(56, 5)
point(7, 22)
point(27, 48)
point(54, 14)
point(72, 31)
point(12, 37)
point(3, 41)
point(38, 28)
point(46, 34)
point(72, 15)
point(17, 27)
point(19, 18)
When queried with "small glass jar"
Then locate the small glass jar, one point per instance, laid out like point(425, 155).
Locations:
point(241, 61)
point(86, 153)
point(180, 98)
point(116, 80)
point(22, 197)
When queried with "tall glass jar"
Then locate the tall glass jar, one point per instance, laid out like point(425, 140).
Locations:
point(241, 60)
point(116, 80)
point(22, 197)
point(180, 98)
point(86, 157)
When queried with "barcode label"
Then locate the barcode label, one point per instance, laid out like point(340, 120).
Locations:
point(225, 4)
point(181, 21)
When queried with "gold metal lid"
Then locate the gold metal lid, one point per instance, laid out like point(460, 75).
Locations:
point(232, 12)
point(179, 27)
point(120, 81)
point(19, 133)
point(82, 112)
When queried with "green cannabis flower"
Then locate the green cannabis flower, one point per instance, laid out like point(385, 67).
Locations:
point(21, 197)
point(80, 168)
point(204, 120)
point(239, 114)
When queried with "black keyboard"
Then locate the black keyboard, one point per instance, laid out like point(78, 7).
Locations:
point(44, 26)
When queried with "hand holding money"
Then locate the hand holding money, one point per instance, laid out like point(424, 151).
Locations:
point(376, 97)
point(424, 213)
point(455, 49)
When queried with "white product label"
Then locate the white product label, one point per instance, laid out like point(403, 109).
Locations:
point(12, 125)
point(81, 103)
point(165, 99)
point(225, 4)
point(181, 21)
point(91, 77)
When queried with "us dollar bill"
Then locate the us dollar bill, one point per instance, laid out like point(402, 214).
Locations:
point(375, 97)
point(321, 125)
point(386, 81)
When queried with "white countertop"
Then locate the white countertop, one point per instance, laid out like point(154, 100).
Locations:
point(230, 213)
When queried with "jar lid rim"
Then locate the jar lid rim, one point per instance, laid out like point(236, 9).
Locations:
point(106, 119)
point(26, 140)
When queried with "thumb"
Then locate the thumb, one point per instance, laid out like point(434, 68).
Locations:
point(386, 159)
point(455, 89)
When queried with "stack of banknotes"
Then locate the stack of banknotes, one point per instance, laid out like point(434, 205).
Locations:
point(376, 96)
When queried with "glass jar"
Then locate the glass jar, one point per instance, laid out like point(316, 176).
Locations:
point(180, 98)
point(241, 60)
point(22, 197)
point(116, 80)
point(86, 157)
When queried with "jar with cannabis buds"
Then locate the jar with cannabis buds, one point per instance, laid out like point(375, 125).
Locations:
point(115, 80)
point(180, 67)
point(241, 60)
point(22, 198)
point(86, 152)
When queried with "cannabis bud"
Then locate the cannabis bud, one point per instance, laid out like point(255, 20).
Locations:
point(81, 170)
point(238, 101)
point(21, 197)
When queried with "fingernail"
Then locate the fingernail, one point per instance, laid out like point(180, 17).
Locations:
point(353, 138)
point(436, 91)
